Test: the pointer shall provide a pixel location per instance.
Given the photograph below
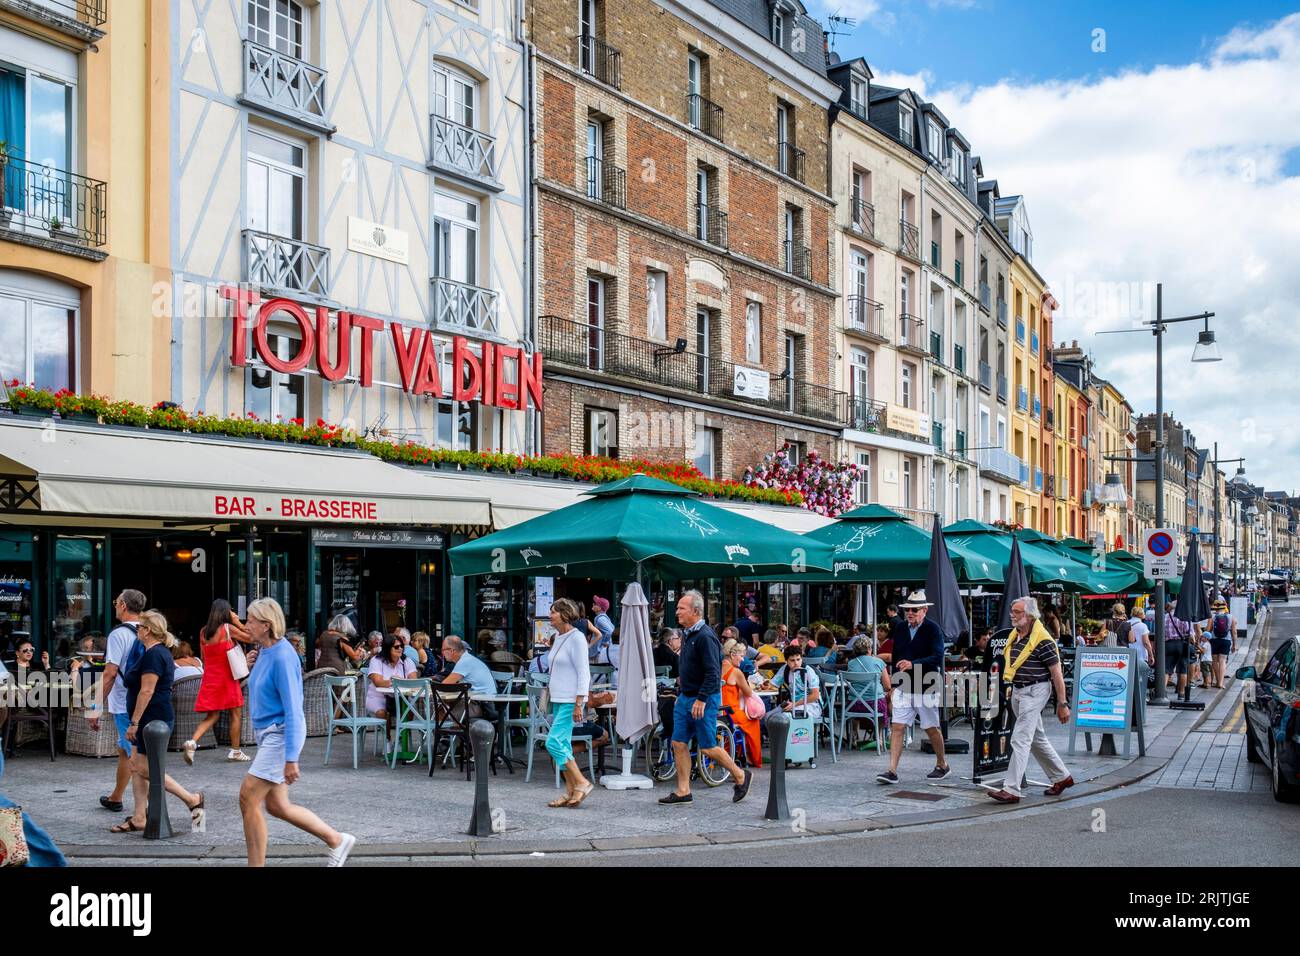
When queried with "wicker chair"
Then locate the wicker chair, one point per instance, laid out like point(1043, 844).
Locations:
point(222, 730)
point(85, 742)
point(316, 701)
point(185, 693)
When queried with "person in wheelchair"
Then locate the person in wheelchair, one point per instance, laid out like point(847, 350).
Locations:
point(736, 694)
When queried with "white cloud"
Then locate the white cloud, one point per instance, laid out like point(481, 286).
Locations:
point(1173, 175)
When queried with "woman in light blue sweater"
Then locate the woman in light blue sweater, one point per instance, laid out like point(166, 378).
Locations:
point(570, 684)
point(275, 705)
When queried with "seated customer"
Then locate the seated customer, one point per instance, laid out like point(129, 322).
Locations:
point(802, 683)
point(884, 643)
point(187, 665)
point(389, 663)
point(771, 648)
point(666, 648)
point(468, 669)
point(862, 661)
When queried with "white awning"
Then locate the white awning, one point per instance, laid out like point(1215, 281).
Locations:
point(94, 470)
point(798, 520)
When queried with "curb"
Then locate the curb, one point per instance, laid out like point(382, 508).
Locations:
point(1135, 771)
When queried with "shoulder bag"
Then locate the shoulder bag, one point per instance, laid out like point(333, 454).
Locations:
point(235, 656)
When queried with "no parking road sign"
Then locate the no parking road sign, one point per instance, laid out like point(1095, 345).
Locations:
point(1160, 553)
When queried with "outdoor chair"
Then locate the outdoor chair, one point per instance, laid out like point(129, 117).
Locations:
point(539, 727)
point(185, 692)
point(246, 736)
point(344, 710)
point(84, 742)
point(316, 701)
point(865, 699)
point(830, 694)
point(29, 719)
point(451, 719)
point(415, 713)
point(602, 674)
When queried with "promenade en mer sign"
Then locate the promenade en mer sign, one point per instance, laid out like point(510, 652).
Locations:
point(476, 376)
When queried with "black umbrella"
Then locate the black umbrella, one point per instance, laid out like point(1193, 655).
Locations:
point(1017, 585)
point(941, 588)
point(1192, 605)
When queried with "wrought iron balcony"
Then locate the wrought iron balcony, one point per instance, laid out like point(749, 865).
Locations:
point(798, 260)
point(1051, 486)
point(910, 334)
point(711, 225)
point(909, 239)
point(459, 307)
point(1002, 387)
point(863, 316)
point(789, 160)
point(936, 347)
point(1022, 398)
point(704, 115)
point(959, 358)
point(1000, 463)
point(580, 346)
point(868, 416)
point(606, 183)
point(83, 19)
point(986, 297)
point(285, 265)
point(40, 201)
point(600, 61)
point(986, 376)
point(284, 85)
point(462, 151)
point(864, 218)
point(1050, 419)
point(1002, 312)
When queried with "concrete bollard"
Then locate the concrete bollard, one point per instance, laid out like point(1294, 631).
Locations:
point(480, 732)
point(157, 825)
point(778, 731)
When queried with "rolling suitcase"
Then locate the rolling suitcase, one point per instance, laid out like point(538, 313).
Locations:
point(801, 745)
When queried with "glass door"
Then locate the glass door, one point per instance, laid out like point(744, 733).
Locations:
point(17, 579)
point(76, 590)
point(595, 324)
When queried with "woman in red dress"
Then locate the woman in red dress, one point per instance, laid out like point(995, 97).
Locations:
point(219, 691)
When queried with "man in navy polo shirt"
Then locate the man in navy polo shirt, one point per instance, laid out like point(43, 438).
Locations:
point(917, 659)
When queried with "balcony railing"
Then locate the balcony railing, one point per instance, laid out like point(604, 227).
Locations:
point(866, 415)
point(1033, 342)
point(789, 160)
point(863, 316)
point(1038, 407)
point(936, 347)
point(959, 358)
point(1020, 329)
point(82, 18)
point(284, 85)
point(958, 272)
point(798, 260)
point(909, 239)
point(711, 225)
point(934, 255)
point(464, 308)
point(606, 183)
point(288, 265)
point(1002, 312)
point(936, 435)
point(600, 61)
point(579, 345)
point(39, 200)
point(986, 376)
point(986, 297)
point(1050, 419)
point(864, 218)
point(704, 115)
point(462, 150)
point(910, 332)
point(1051, 486)
point(959, 446)
point(1003, 464)
point(1022, 398)
point(1038, 479)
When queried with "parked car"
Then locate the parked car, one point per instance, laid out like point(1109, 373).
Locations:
point(1272, 705)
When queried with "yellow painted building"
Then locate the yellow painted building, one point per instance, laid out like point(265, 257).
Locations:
point(1071, 480)
point(84, 228)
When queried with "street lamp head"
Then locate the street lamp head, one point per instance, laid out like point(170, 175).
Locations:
point(1207, 350)
point(1113, 492)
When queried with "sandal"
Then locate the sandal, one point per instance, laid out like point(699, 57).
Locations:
point(579, 794)
point(187, 751)
point(126, 826)
point(197, 812)
point(561, 801)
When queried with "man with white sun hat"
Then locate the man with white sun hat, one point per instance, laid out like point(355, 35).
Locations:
point(918, 679)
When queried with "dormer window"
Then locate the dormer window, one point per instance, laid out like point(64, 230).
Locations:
point(905, 123)
point(933, 139)
point(778, 28)
point(858, 97)
point(957, 158)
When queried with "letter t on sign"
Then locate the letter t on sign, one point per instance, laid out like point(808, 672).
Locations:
point(243, 299)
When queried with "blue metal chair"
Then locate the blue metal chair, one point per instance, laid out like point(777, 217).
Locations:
point(831, 688)
point(539, 727)
point(344, 713)
point(415, 713)
point(864, 699)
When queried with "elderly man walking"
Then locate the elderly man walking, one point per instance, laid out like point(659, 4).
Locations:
point(1032, 665)
point(917, 662)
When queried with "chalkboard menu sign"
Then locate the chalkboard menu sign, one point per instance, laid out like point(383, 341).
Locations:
point(345, 582)
point(991, 749)
point(491, 601)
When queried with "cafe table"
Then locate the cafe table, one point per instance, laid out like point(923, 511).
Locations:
point(505, 700)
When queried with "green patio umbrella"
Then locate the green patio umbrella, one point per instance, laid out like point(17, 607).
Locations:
point(1048, 568)
point(640, 524)
point(875, 544)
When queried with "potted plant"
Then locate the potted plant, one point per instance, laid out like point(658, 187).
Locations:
point(29, 401)
point(61, 230)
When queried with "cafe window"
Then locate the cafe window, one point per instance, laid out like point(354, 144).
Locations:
point(601, 437)
point(40, 327)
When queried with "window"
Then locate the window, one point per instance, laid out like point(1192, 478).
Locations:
point(39, 326)
point(277, 183)
point(860, 277)
point(753, 332)
point(601, 437)
point(38, 122)
point(595, 159)
point(706, 451)
point(656, 305)
point(907, 483)
point(456, 238)
point(863, 491)
point(785, 155)
point(270, 395)
point(933, 139)
point(792, 355)
point(702, 335)
point(957, 161)
point(796, 451)
point(277, 24)
point(778, 28)
point(455, 96)
point(859, 375)
point(906, 379)
point(905, 124)
point(858, 97)
point(860, 194)
point(703, 189)
point(695, 88)
point(595, 323)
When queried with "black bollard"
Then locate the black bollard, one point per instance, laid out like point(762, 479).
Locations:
point(778, 731)
point(480, 732)
point(157, 825)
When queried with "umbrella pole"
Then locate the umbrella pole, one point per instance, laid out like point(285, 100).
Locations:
point(627, 780)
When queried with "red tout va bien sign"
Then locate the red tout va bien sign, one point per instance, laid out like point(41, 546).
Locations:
point(475, 377)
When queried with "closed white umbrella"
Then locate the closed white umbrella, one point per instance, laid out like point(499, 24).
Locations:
point(637, 695)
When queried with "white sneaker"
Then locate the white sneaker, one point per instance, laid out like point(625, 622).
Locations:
point(238, 756)
point(339, 855)
point(187, 751)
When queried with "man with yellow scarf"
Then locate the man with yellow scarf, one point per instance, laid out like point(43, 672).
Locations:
point(1032, 666)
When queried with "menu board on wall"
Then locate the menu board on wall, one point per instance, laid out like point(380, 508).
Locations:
point(491, 601)
point(545, 597)
point(345, 582)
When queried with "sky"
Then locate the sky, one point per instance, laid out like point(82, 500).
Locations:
point(1165, 148)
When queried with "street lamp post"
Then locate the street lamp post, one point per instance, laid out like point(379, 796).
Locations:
point(1214, 474)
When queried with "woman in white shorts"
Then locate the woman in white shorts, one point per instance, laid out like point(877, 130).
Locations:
point(275, 706)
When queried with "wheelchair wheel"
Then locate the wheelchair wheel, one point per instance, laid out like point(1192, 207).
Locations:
point(712, 772)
